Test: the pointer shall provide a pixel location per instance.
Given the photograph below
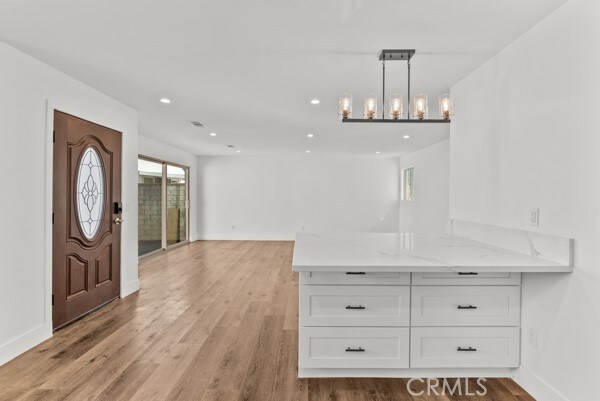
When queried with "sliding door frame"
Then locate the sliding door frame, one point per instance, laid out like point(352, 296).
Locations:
point(164, 245)
point(186, 207)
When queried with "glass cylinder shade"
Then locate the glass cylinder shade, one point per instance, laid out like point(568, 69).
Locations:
point(420, 106)
point(345, 106)
point(445, 107)
point(370, 106)
point(396, 107)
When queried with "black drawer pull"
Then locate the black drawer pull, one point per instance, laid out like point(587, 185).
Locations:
point(466, 307)
point(359, 349)
point(359, 307)
point(468, 274)
point(470, 349)
point(356, 273)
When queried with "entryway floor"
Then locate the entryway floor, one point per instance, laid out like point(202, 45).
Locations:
point(214, 321)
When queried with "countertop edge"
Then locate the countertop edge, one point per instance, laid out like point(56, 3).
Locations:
point(436, 269)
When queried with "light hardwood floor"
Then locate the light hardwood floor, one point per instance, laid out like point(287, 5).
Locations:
point(214, 321)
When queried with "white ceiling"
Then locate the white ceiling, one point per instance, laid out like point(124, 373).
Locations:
point(248, 69)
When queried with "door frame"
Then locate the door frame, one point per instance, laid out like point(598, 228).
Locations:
point(86, 112)
point(164, 246)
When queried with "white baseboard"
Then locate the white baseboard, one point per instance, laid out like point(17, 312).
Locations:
point(405, 373)
point(246, 237)
point(24, 342)
point(537, 387)
point(130, 287)
point(41, 333)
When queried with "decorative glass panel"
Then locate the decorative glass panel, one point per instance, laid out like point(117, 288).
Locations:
point(90, 192)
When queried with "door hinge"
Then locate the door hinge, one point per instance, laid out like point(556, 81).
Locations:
point(54, 136)
point(52, 299)
point(52, 217)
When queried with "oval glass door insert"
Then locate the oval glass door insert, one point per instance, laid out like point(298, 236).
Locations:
point(90, 193)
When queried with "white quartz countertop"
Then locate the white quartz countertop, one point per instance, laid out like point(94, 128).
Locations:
point(408, 252)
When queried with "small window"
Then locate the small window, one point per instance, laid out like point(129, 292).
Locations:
point(408, 177)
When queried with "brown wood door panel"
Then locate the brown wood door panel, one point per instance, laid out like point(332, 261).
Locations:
point(86, 240)
point(103, 266)
point(76, 276)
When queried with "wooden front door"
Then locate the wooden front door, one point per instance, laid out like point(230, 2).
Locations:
point(86, 242)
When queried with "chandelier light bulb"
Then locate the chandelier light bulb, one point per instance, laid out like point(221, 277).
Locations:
point(420, 106)
point(396, 107)
point(445, 107)
point(370, 106)
point(345, 106)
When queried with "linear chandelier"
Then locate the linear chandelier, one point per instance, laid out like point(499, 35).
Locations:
point(420, 107)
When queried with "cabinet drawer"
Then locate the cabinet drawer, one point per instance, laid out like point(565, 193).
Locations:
point(353, 347)
point(464, 347)
point(466, 306)
point(466, 278)
point(322, 305)
point(355, 278)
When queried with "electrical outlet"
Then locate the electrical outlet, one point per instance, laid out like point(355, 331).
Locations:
point(532, 337)
point(534, 217)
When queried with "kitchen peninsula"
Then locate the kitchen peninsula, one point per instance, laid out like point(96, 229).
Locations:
point(403, 305)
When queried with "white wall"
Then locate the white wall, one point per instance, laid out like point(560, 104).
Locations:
point(275, 197)
point(153, 148)
point(526, 135)
point(30, 91)
point(428, 211)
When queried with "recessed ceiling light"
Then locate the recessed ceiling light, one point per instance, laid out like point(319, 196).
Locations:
point(213, 134)
point(406, 136)
point(308, 151)
point(315, 101)
point(310, 135)
point(238, 151)
point(165, 100)
point(378, 152)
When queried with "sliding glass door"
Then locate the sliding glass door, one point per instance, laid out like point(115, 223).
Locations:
point(150, 225)
point(163, 205)
point(177, 202)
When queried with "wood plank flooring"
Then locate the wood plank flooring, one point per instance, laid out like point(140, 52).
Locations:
point(214, 321)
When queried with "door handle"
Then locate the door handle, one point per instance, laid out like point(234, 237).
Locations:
point(118, 220)
point(470, 349)
point(466, 307)
point(467, 274)
point(359, 307)
point(359, 349)
point(356, 273)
